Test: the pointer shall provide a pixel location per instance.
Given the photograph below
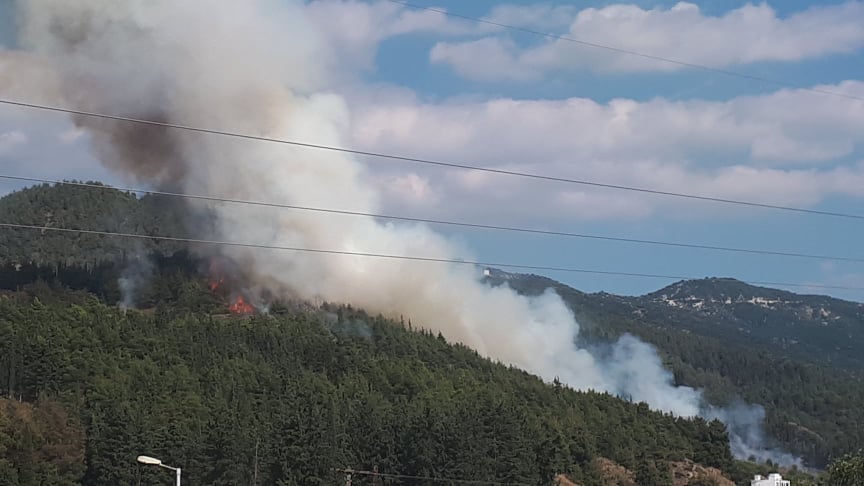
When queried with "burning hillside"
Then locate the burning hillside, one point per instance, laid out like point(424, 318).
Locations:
point(222, 283)
point(240, 306)
point(270, 78)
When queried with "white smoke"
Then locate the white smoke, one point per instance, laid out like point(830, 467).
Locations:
point(256, 67)
point(136, 274)
point(746, 434)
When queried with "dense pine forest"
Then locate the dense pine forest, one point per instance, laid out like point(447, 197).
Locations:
point(88, 209)
point(290, 396)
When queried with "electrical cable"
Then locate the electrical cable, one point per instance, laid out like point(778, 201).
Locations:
point(444, 222)
point(629, 52)
point(428, 478)
point(408, 257)
point(435, 162)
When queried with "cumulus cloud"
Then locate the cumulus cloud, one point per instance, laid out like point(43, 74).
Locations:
point(355, 28)
point(31, 145)
point(538, 16)
point(745, 35)
point(752, 147)
point(12, 139)
point(411, 188)
point(756, 147)
point(71, 135)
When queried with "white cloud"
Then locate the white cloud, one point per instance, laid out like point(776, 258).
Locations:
point(756, 148)
point(487, 59)
point(411, 188)
point(31, 145)
point(71, 135)
point(539, 16)
point(11, 140)
point(354, 29)
point(749, 34)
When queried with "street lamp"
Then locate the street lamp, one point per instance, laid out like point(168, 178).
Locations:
point(152, 461)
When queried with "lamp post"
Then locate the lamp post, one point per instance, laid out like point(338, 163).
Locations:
point(152, 461)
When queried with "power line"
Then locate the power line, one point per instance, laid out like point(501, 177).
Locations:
point(629, 52)
point(44, 228)
point(434, 162)
point(447, 223)
point(428, 478)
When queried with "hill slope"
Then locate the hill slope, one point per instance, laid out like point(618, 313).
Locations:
point(810, 402)
point(815, 328)
point(293, 396)
point(742, 342)
point(818, 328)
point(84, 208)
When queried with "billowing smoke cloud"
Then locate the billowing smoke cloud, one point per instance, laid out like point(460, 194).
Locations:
point(255, 67)
point(135, 275)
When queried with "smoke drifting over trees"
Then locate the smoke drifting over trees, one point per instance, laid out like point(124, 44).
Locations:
point(256, 68)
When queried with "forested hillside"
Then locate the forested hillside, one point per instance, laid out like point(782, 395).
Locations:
point(290, 396)
point(813, 328)
point(811, 404)
point(63, 206)
point(816, 328)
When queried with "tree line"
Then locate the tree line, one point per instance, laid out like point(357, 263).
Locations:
point(290, 397)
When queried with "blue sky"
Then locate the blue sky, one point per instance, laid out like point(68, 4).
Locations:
point(421, 84)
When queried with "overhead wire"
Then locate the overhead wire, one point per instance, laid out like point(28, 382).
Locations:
point(45, 228)
point(429, 478)
point(434, 162)
point(453, 223)
point(442, 222)
point(468, 167)
point(629, 52)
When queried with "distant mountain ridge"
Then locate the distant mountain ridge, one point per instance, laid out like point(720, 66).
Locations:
point(797, 355)
point(695, 294)
point(814, 327)
point(811, 325)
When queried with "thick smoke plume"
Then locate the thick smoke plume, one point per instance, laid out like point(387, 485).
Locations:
point(257, 67)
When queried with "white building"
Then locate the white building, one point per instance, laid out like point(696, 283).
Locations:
point(773, 479)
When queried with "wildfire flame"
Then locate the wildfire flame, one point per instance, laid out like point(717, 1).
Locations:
point(240, 306)
point(214, 284)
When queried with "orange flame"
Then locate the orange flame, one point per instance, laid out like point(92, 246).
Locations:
point(240, 306)
point(216, 277)
point(214, 284)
